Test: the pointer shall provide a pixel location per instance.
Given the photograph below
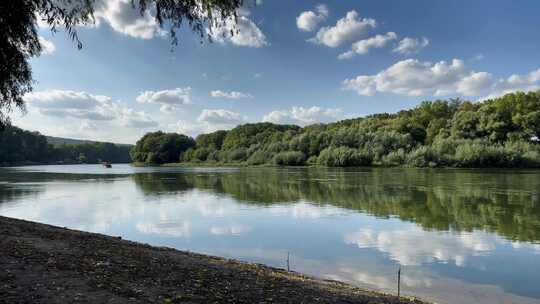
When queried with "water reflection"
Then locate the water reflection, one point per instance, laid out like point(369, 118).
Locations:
point(461, 236)
point(457, 200)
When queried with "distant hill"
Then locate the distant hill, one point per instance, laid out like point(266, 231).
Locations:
point(21, 147)
point(59, 141)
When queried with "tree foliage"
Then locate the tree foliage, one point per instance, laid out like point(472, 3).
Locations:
point(19, 40)
point(18, 146)
point(495, 133)
point(159, 147)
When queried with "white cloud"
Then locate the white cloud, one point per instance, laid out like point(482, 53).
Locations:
point(220, 117)
point(209, 121)
point(136, 119)
point(309, 20)
point(121, 16)
point(174, 229)
point(83, 105)
point(474, 83)
point(234, 230)
point(415, 246)
point(229, 95)
point(528, 82)
point(41, 22)
point(188, 128)
point(381, 281)
point(47, 46)
point(411, 45)
point(168, 99)
point(303, 115)
point(346, 29)
point(242, 33)
point(415, 78)
point(125, 19)
point(305, 210)
point(362, 47)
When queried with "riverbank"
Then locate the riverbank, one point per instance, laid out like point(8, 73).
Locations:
point(47, 264)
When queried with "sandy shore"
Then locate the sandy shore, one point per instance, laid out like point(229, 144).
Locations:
point(46, 264)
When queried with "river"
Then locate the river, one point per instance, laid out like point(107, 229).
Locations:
point(459, 236)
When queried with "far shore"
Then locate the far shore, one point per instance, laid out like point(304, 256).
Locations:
point(47, 264)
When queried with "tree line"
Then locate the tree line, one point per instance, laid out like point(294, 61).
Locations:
point(500, 132)
point(18, 146)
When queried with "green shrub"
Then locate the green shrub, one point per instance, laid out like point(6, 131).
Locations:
point(213, 156)
point(531, 159)
point(311, 161)
point(423, 156)
point(290, 158)
point(477, 154)
point(187, 156)
point(237, 155)
point(258, 158)
point(395, 158)
point(344, 156)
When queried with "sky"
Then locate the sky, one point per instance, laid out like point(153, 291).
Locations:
point(299, 62)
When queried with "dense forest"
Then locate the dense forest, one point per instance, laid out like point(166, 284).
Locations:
point(501, 132)
point(19, 146)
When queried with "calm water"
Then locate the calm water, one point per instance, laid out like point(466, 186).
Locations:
point(460, 236)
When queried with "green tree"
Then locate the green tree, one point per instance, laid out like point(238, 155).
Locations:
point(159, 147)
point(492, 133)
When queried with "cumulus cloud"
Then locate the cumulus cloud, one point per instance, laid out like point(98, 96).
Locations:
point(381, 281)
point(305, 210)
point(174, 229)
point(416, 78)
point(527, 82)
point(188, 128)
point(123, 18)
point(234, 230)
point(303, 115)
point(47, 46)
point(415, 246)
point(209, 121)
point(411, 45)
point(346, 29)
point(168, 99)
point(362, 47)
point(136, 119)
point(474, 83)
point(73, 104)
point(220, 117)
point(242, 33)
point(83, 105)
point(309, 20)
point(229, 95)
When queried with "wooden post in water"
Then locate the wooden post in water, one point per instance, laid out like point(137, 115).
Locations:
point(399, 281)
point(288, 267)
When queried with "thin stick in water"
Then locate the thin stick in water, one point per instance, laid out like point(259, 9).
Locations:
point(288, 267)
point(399, 281)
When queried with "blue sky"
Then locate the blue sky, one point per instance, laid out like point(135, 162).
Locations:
point(291, 62)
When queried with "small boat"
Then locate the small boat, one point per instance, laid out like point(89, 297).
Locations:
point(106, 164)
